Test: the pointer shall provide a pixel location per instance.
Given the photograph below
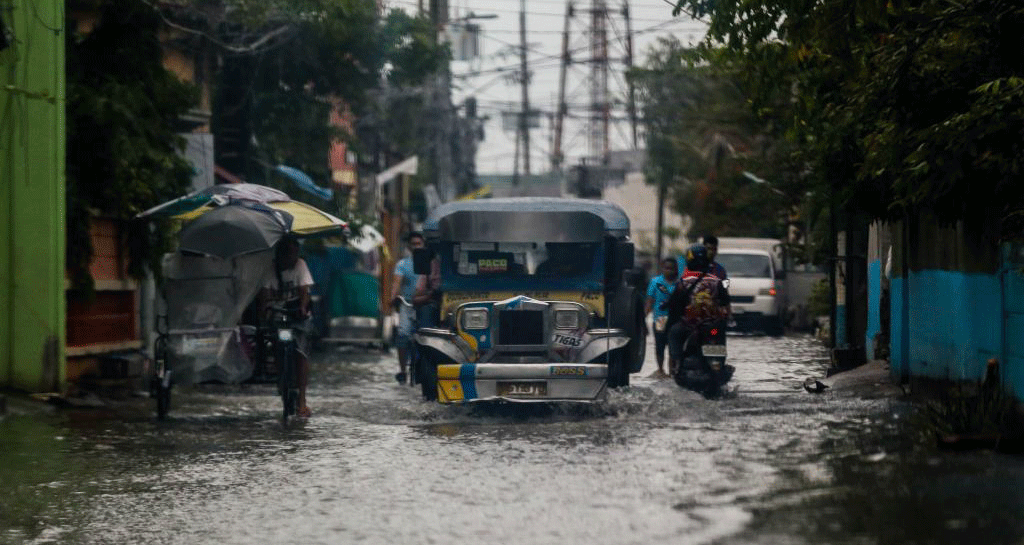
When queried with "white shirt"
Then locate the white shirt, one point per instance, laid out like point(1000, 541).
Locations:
point(293, 279)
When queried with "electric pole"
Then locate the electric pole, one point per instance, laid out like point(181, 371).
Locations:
point(441, 104)
point(525, 82)
point(594, 28)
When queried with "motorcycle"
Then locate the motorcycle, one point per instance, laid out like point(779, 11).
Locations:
point(703, 368)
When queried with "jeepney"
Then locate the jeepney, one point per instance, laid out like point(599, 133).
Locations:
point(539, 301)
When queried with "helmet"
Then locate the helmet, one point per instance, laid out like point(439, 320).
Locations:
point(697, 258)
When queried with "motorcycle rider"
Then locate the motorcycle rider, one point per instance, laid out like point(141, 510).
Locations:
point(699, 296)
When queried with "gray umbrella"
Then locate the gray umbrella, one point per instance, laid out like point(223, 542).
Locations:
point(234, 229)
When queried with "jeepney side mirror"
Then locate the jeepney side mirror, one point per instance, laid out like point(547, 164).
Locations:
point(624, 255)
point(421, 260)
point(636, 278)
point(621, 260)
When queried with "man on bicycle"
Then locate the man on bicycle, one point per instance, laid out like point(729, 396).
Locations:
point(289, 287)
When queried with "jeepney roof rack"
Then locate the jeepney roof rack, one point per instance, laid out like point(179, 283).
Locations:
point(517, 219)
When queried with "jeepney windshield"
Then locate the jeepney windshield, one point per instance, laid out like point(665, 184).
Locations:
point(555, 260)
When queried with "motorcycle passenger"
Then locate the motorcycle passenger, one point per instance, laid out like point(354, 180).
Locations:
point(289, 287)
point(699, 296)
point(658, 291)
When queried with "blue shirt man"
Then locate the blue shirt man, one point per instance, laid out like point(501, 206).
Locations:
point(404, 284)
point(658, 291)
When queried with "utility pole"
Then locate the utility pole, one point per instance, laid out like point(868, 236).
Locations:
point(441, 105)
point(631, 104)
point(599, 107)
point(594, 24)
point(525, 81)
point(562, 107)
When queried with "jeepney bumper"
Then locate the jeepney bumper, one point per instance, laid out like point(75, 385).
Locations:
point(520, 382)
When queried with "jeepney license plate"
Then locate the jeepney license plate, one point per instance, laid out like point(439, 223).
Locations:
point(522, 389)
point(714, 350)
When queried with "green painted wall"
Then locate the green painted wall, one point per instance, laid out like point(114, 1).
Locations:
point(32, 308)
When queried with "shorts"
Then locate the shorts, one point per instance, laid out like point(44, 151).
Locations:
point(406, 325)
point(302, 332)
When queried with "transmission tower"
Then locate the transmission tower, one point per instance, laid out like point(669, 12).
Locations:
point(603, 37)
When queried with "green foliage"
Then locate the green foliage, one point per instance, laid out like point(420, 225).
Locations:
point(273, 106)
point(122, 150)
point(893, 106)
point(703, 134)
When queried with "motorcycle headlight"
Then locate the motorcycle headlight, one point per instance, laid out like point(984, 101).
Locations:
point(475, 318)
point(567, 319)
point(284, 335)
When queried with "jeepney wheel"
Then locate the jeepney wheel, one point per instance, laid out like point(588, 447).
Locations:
point(618, 369)
point(627, 313)
point(426, 374)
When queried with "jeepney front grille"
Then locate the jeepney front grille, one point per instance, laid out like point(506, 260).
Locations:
point(521, 327)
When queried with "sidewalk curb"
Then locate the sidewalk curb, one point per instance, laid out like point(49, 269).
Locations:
point(871, 380)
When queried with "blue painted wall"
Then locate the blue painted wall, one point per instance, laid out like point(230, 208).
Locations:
point(946, 324)
point(1012, 368)
point(874, 306)
point(899, 338)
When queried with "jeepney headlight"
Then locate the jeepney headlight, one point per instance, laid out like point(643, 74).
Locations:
point(567, 319)
point(284, 335)
point(475, 318)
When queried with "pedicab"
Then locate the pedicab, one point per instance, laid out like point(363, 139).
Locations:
point(224, 257)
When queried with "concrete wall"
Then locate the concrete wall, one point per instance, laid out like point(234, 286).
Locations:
point(955, 303)
point(32, 197)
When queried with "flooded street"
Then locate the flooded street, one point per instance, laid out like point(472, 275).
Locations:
point(376, 464)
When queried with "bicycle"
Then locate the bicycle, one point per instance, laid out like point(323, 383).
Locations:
point(282, 332)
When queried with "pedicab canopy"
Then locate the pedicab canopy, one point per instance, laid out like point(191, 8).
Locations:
point(527, 219)
point(307, 220)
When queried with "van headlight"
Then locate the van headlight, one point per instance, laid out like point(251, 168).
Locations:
point(284, 335)
point(567, 319)
point(475, 318)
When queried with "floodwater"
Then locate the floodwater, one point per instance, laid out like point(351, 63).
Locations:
point(375, 464)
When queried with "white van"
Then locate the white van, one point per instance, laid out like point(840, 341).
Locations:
point(756, 287)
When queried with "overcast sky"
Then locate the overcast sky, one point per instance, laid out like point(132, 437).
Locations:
point(545, 19)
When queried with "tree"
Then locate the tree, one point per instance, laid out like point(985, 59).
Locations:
point(123, 153)
point(706, 144)
point(893, 106)
point(273, 104)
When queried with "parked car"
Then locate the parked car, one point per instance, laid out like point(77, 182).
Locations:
point(759, 300)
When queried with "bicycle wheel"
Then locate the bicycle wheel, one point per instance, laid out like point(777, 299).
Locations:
point(161, 385)
point(286, 379)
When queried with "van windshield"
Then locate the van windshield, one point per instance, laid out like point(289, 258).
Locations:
point(745, 265)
